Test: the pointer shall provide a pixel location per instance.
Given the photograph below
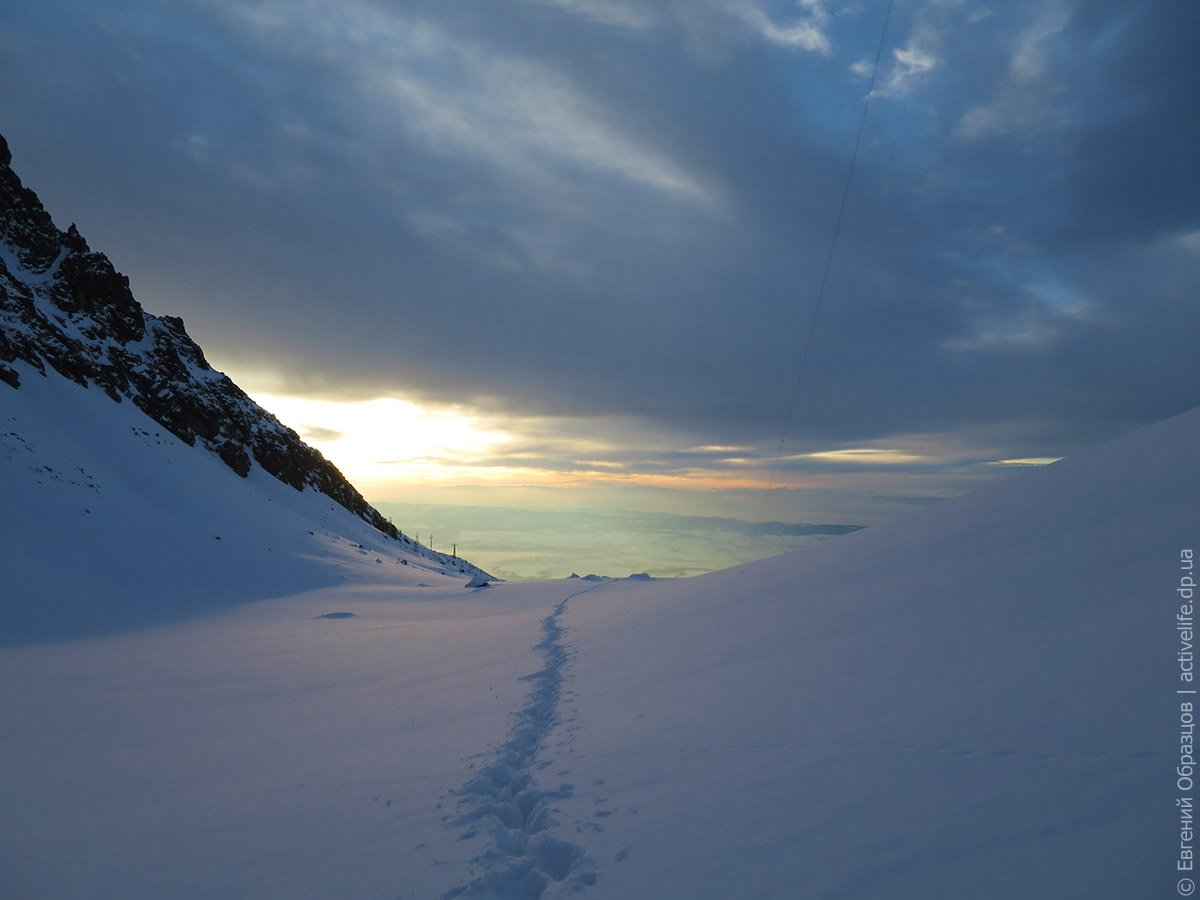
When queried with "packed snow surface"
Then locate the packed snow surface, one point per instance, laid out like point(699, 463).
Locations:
point(977, 702)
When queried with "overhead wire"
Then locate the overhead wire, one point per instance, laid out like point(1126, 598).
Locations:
point(856, 269)
point(824, 283)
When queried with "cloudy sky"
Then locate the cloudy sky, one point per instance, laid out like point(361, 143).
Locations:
point(655, 253)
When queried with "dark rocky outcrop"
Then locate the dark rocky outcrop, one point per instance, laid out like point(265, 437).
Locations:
point(65, 307)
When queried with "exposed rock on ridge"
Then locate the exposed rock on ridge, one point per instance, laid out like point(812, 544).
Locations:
point(64, 306)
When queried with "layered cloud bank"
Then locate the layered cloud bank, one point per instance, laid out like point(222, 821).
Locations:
point(586, 213)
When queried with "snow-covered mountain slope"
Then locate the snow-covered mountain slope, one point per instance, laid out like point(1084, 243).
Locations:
point(158, 424)
point(111, 522)
point(980, 701)
point(64, 308)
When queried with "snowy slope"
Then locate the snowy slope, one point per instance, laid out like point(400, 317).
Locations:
point(66, 311)
point(979, 701)
point(112, 522)
point(266, 753)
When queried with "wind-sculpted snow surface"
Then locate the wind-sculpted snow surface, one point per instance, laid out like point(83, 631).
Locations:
point(524, 861)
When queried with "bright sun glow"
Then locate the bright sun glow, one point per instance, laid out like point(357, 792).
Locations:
point(386, 447)
point(385, 439)
point(379, 444)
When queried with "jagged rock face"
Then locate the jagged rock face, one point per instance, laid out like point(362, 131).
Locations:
point(65, 306)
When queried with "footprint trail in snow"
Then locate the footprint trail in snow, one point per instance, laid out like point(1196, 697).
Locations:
point(523, 861)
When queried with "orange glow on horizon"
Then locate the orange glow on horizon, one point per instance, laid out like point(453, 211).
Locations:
point(386, 445)
point(389, 441)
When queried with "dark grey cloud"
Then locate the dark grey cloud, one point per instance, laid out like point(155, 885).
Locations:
point(598, 208)
point(1132, 178)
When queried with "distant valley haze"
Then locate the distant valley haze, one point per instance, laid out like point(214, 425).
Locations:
point(517, 543)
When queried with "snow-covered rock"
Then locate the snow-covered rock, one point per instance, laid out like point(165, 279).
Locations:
point(99, 396)
point(65, 308)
